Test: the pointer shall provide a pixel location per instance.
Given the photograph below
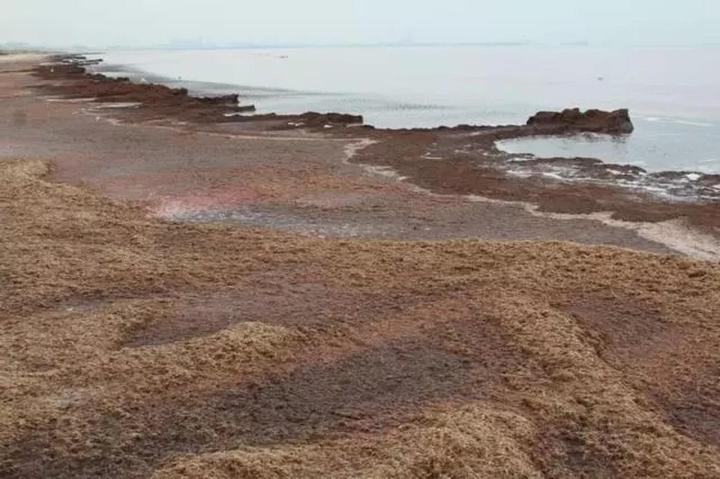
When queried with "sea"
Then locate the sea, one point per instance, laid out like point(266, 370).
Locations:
point(673, 93)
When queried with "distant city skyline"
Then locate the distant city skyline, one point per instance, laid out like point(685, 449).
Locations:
point(223, 23)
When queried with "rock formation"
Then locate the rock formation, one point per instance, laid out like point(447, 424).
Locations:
point(597, 121)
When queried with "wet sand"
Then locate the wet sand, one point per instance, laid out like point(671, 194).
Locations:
point(170, 309)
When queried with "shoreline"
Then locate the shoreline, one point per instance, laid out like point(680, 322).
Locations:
point(462, 161)
point(674, 184)
point(321, 320)
point(201, 87)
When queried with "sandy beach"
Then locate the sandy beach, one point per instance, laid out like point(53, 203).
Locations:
point(191, 294)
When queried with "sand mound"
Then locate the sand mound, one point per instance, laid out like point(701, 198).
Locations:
point(135, 348)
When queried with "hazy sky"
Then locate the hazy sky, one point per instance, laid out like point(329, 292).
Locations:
point(100, 23)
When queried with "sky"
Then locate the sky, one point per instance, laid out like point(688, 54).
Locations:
point(147, 23)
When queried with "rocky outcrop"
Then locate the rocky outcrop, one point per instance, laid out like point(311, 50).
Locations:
point(153, 99)
point(596, 121)
point(314, 119)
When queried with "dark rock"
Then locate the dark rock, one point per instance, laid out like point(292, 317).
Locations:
point(312, 118)
point(230, 100)
point(597, 121)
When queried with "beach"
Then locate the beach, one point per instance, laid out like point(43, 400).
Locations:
point(256, 177)
point(191, 291)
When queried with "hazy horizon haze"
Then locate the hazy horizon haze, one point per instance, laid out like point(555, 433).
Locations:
point(189, 23)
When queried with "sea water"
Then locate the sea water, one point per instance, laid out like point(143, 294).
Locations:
point(673, 93)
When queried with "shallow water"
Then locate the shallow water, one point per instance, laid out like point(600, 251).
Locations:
point(672, 92)
point(658, 144)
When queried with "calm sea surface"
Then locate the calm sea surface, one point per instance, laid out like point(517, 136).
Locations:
point(673, 93)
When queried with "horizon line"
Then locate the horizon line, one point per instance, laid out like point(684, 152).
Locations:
point(177, 45)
